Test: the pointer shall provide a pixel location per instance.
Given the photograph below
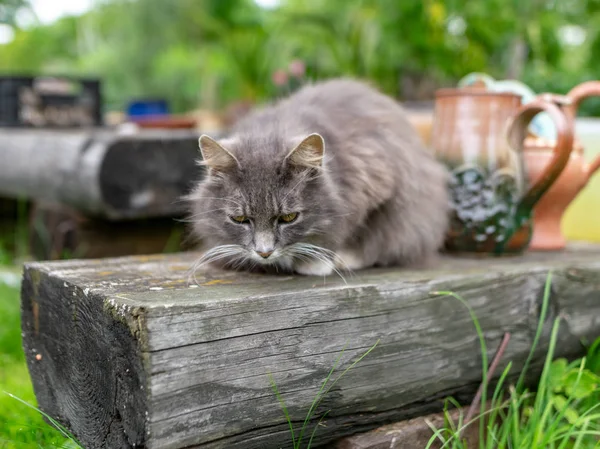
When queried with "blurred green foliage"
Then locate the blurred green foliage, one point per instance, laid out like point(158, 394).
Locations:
point(9, 8)
point(208, 53)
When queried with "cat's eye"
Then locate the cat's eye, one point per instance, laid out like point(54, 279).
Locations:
point(288, 218)
point(240, 219)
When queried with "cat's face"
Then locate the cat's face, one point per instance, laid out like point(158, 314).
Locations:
point(263, 211)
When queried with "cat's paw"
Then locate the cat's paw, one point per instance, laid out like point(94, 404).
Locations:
point(314, 268)
point(348, 260)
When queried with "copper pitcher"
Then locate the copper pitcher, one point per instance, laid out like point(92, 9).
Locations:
point(548, 213)
point(479, 135)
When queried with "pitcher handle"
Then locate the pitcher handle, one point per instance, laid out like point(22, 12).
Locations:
point(592, 168)
point(517, 131)
point(580, 93)
point(577, 95)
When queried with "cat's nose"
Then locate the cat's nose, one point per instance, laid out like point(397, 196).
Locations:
point(264, 254)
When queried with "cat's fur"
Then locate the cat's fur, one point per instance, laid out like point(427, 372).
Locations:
point(366, 190)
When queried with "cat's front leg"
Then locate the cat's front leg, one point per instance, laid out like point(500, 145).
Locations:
point(314, 268)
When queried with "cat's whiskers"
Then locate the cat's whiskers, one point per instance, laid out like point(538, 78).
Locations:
point(196, 217)
point(214, 254)
point(208, 225)
point(346, 268)
point(191, 197)
point(341, 215)
point(239, 261)
point(310, 251)
point(205, 212)
point(306, 258)
point(317, 231)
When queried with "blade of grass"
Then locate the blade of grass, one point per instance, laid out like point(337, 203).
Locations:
point(316, 400)
point(496, 405)
point(453, 438)
point(285, 411)
point(484, 358)
point(538, 331)
point(542, 392)
point(353, 365)
point(566, 439)
point(319, 396)
point(515, 422)
point(312, 435)
point(500, 384)
point(65, 433)
point(437, 435)
point(490, 373)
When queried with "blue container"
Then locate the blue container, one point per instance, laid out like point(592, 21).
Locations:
point(145, 108)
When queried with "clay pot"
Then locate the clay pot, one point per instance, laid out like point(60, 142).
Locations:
point(548, 212)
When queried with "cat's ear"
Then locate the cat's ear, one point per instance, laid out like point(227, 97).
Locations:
point(215, 156)
point(308, 153)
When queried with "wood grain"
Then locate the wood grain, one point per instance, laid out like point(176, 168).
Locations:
point(135, 355)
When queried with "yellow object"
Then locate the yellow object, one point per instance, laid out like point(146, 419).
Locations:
point(582, 218)
point(216, 282)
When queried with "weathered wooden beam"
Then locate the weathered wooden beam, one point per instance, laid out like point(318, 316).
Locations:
point(413, 433)
point(100, 172)
point(126, 353)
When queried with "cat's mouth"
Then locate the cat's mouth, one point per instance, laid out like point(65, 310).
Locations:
point(287, 256)
point(274, 257)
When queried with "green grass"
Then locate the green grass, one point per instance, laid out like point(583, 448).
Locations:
point(563, 411)
point(299, 435)
point(21, 426)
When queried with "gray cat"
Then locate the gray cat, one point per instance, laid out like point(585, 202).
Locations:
point(332, 178)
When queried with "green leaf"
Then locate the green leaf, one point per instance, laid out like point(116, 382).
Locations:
point(580, 385)
point(558, 370)
point(593, 357)
point(560, 403)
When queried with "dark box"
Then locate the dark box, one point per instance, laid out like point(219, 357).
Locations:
point(49, 102)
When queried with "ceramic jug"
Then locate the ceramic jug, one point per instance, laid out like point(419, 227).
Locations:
point(541, 125)
point(479, 135)
point(548, 213)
